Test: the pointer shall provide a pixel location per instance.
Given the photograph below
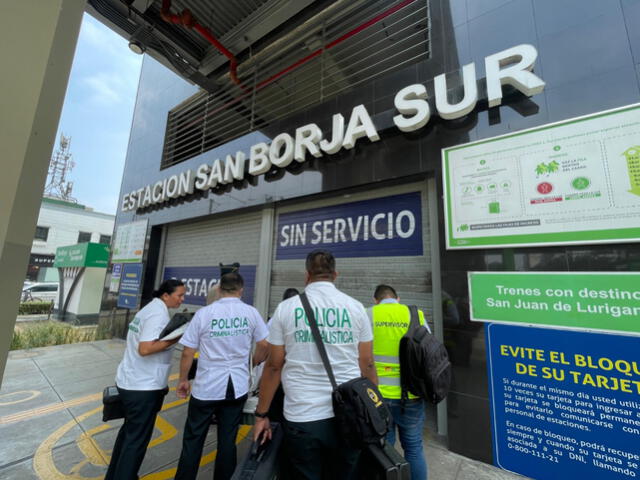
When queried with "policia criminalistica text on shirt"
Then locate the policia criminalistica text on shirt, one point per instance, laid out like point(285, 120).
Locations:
point(223, 333)
point(313, 446)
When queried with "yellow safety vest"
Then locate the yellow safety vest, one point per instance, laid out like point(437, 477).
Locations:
point(390, 322)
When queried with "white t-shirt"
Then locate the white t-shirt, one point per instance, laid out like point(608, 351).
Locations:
point(223, 333)
point(150, 372)
point(343, 323)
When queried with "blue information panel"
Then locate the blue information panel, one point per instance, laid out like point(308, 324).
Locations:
point(199, 280)
point(564, 404)
point(130, 281)
point(382, 227)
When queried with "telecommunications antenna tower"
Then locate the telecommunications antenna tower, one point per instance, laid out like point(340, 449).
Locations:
point(60, 166)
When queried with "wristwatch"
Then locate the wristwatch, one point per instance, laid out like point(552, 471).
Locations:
point(261, 415)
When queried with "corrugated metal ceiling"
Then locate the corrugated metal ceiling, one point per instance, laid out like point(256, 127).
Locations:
point(220, 16)
point(237, 24)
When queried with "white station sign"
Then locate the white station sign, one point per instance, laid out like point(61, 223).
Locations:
point(509, 67)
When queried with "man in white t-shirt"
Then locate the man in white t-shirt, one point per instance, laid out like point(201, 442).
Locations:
point(223, 333)
point(314, 447)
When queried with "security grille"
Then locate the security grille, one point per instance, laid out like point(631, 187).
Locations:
point(358, 276)
point(333, 55)
point(209, 242)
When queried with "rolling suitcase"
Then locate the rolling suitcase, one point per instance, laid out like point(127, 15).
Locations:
point(262, 461)
point(385, 463)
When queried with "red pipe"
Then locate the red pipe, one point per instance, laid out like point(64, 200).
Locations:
point(233, 61)
point(187, 19)
point(332, 44)
point(304, 60)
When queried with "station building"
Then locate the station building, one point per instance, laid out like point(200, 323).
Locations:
point(327, 130)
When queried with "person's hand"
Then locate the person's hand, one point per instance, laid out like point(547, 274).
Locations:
point(183, 389)
point(262, 428)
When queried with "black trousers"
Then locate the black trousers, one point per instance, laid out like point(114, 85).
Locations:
point(316, 451)
point(229, 416)
point(141, 408)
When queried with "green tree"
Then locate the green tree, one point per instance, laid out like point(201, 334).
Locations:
point(540, 169)
point(553, 166)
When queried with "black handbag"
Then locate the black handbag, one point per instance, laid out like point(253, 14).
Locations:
point(112, 404)
point(362, 415)
point(262, 461)
point(383, 462)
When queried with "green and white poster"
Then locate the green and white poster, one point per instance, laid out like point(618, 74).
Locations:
point(128, 246)
point(571, 182)
point(592, 301)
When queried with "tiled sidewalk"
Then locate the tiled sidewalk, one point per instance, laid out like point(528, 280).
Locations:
point(51, 425)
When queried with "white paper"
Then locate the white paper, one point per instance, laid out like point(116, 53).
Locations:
point(176, 333)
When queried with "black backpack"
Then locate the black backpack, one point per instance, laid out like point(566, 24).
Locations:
point(425, 369)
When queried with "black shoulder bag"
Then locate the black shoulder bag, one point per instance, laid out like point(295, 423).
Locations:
point(112, 404)
point(362, 416)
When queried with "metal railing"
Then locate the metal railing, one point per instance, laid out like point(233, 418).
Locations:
point(363, 41)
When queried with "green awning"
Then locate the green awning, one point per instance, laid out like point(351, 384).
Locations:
point(83, 255)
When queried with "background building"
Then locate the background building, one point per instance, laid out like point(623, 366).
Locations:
point(62, 223)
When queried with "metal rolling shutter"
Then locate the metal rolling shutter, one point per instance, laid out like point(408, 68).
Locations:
point(225, 239)
point(358, 277)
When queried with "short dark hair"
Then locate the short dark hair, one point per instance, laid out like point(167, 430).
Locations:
point(321, 264)
point(168, 286)
point(384, 291)
point(290, 292)
point(231, 282)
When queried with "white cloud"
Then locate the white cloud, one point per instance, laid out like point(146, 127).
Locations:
point(107, 67)
point(105, 88)
point(100, 38)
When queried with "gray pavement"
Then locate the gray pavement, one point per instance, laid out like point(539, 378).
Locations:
point(51, 421)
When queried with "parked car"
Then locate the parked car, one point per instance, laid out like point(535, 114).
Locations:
point(44, 292)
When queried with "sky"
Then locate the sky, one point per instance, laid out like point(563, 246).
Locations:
point(97, 113)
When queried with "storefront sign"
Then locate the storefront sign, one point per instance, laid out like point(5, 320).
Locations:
point(571, 182)
point(509, 67)
point(128, 246)
point(130, 283)
point(199, 280)
point(82, 255)
point(564, 404)
point(114, 282)
point(584, 300)
point(382, 227)
point(41, 260)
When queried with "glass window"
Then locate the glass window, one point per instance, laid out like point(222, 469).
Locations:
point(84, 237)
point(105, 239)
point(44, 288)
point(42, 233)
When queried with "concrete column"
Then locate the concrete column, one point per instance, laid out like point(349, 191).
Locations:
point(436, 287)
point(37, 43)
point(265, 257)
